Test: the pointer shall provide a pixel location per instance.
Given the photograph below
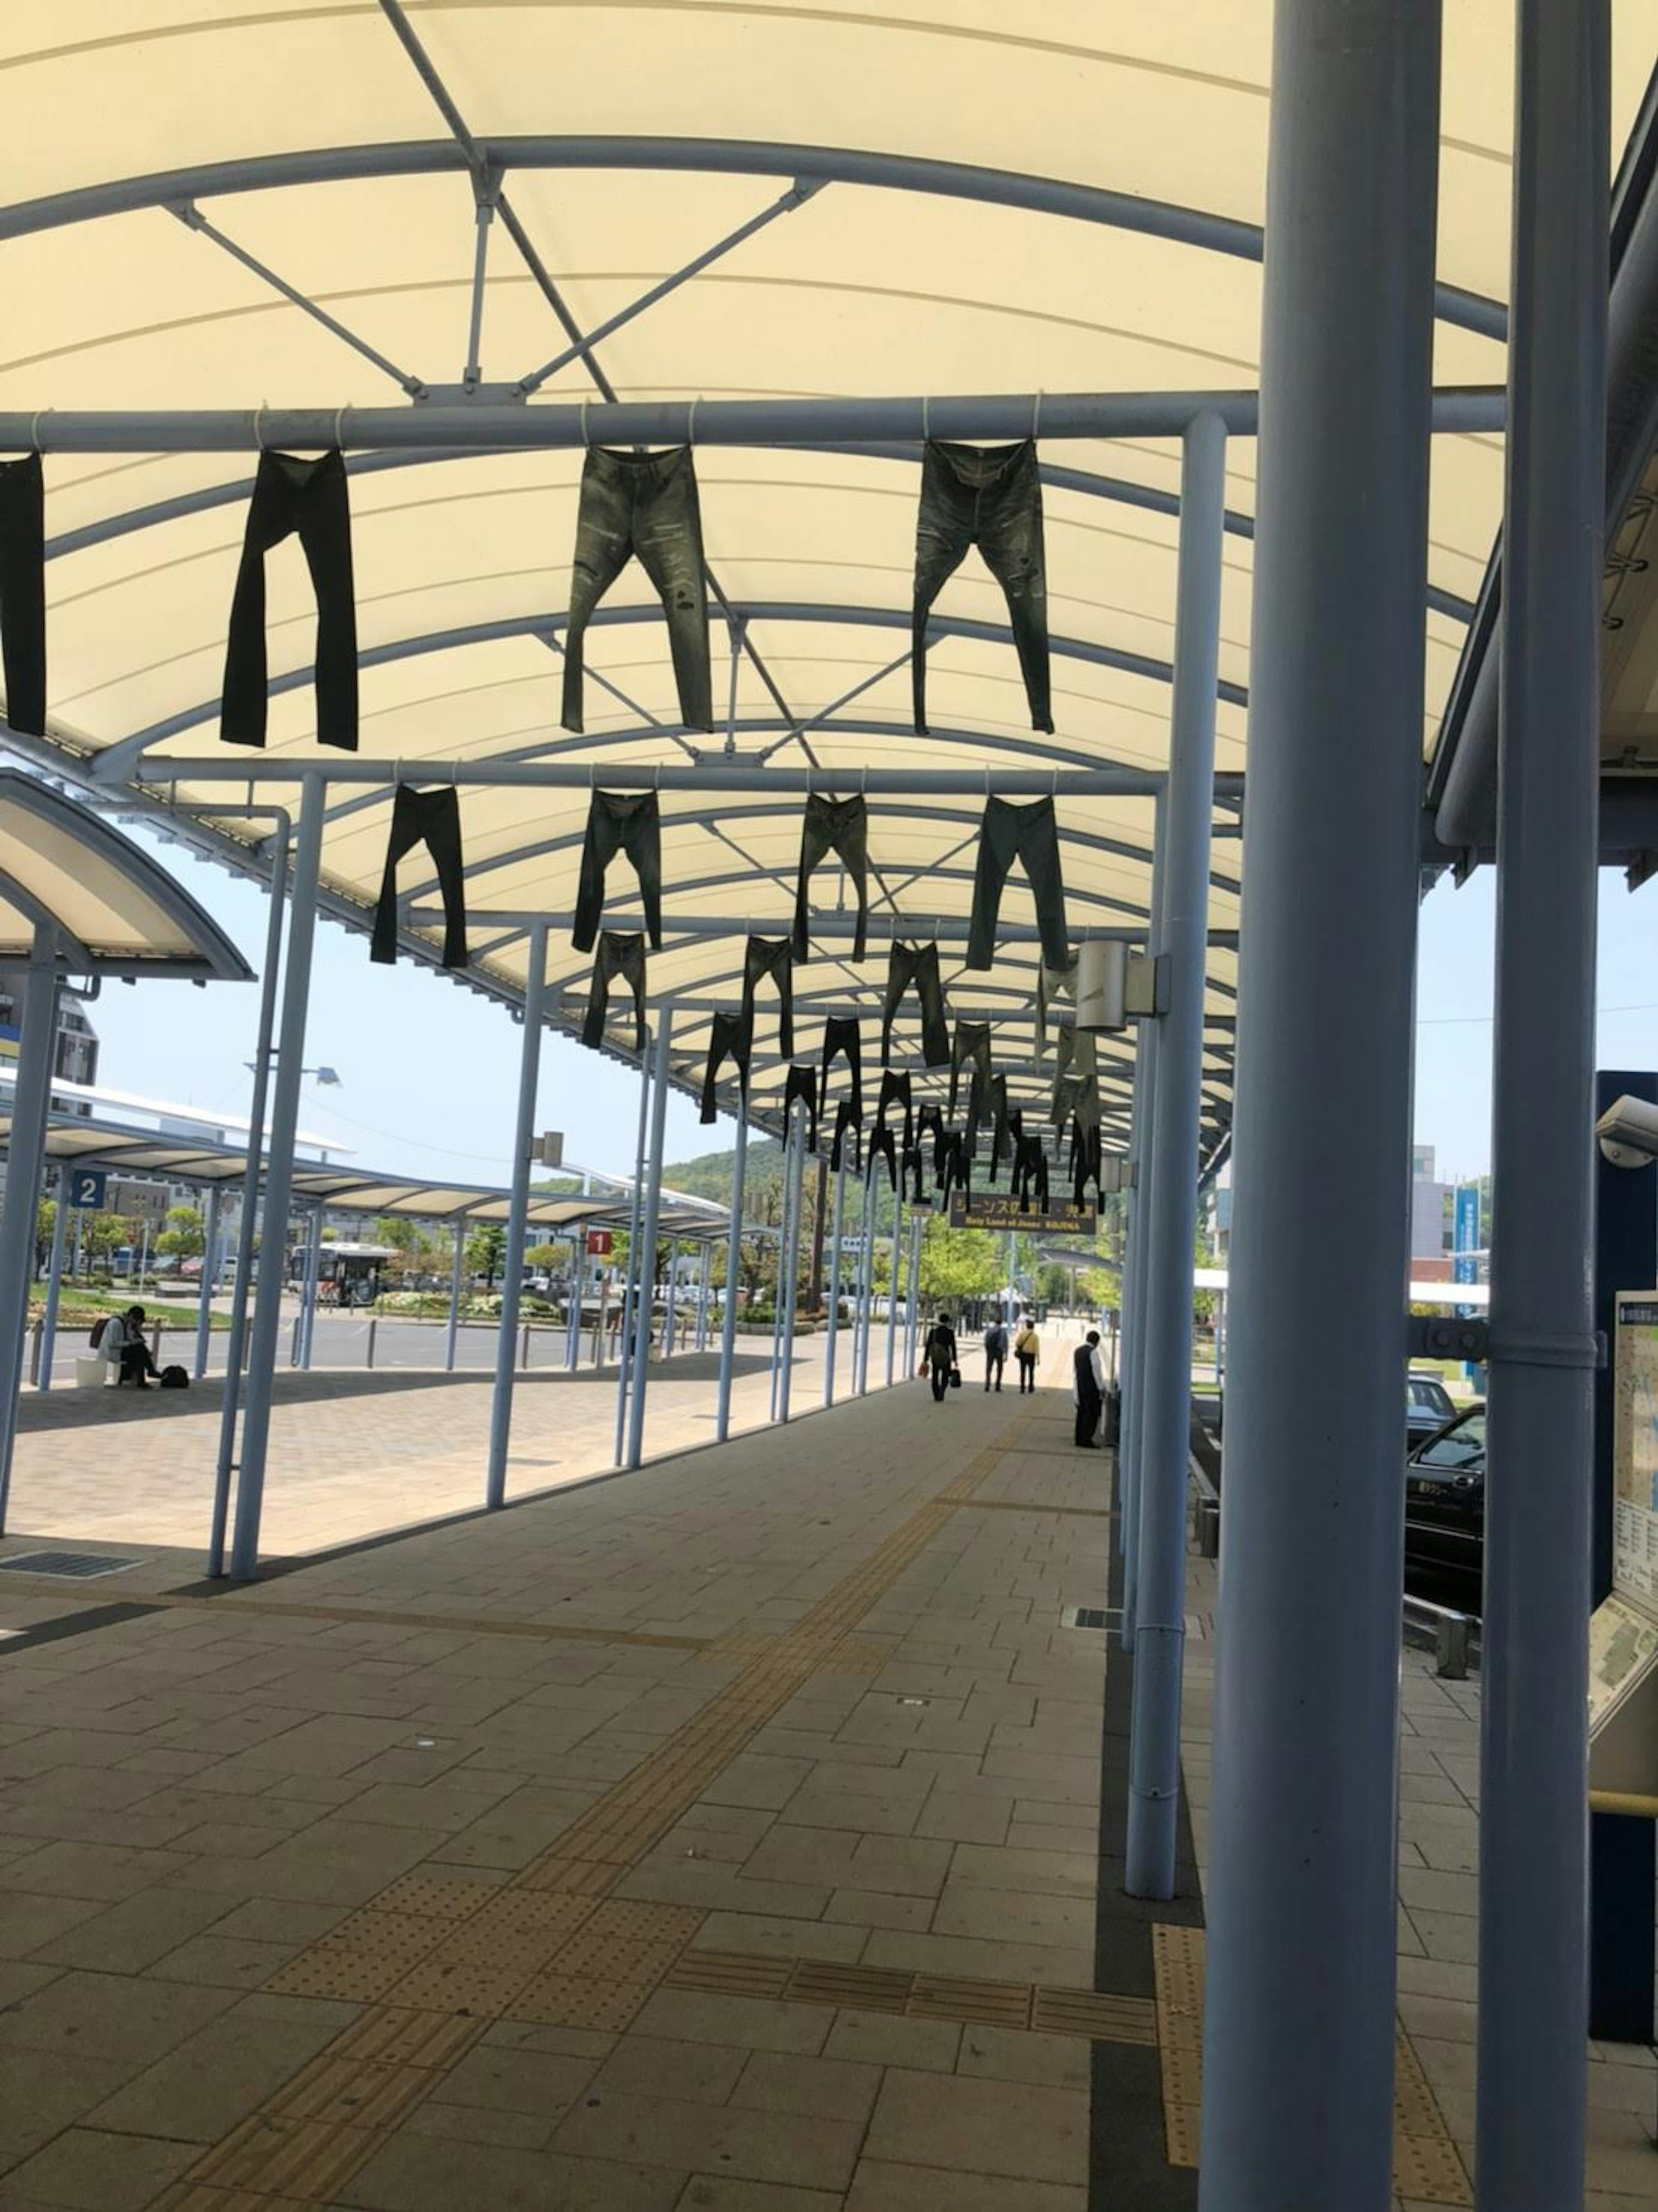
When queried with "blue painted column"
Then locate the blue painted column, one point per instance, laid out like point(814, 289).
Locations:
point(279, 1180)
point(865, 1278)
point(1299, 2046)
point(635, 1214)
point(1166, 1409)
point(645, 1295)
point(1143, 1109)
point(788, 1276)
point(1534, 1829)
point(457, 1279)
point(518, 1207)
point(54, 1279)
point(722, 1418)
point(210, 1283)
point(900, 1219)
point(26, 1156)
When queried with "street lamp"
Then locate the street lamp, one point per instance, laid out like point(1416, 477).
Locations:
point(328, 1077)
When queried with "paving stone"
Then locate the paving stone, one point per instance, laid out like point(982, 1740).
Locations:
point(424, 2174)
point(211, 2083)
point(1023, 2131)
point(516, 2081)
point(95, 2172)
point(758, 2146)
point(881, 2186)
point(1010, 2055)
point(881, 2039)
point(41, 2093)
point(821, 2088)
point(751, 2023)
point(125, 1938)
point(109, 2016)
point(707, 2192)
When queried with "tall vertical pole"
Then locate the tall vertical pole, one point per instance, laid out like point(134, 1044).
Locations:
point(1533, 1830)
point(1166, 1413)
point(630, 1272)
point(833, 1336)
point(652, 1215)
point(1143, 1108)
point(456, 1279)
point(313, 1272)
point(279, 1180)
point(866, 1277)
point(900, 1224)
point(722, 1416)
point(789, 1277)
point(913, 1302)
point(248, 1213)
point(704, 1294)
point(25, 1158)
point(518, 1208)
point(671, 1305)
point(1302, 1904)
point(54, 1279)
point(209, 1282)
point(578, 1269)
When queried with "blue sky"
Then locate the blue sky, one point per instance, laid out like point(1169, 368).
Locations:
point(429, 1072)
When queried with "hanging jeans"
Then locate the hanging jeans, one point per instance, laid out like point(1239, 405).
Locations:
point(643, 503)
point(990, 497)
point(628, 821)
point(895, 1091)
point(1030, 834)
point(838, 826)
point(883, 1145)
point(842, 1038)
point(1076, 1065)
point(621, 952)
point(970, 1047)
point(431, 819)
point(846, 1122)
point(772, 956)
point(803, 1083)
point(23, 593)
point(917, 964)
point(1052, 983)
point(1001, 1124)
point(310, 497)
point(732, 1039)
point(1030, 1174)
point(1087, 1155)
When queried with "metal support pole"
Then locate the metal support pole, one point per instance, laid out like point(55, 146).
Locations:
point(1301, 1886)
point(25, 1154)
point(1534, 1829)
point(913, 1302)
point(235, 1342)
point(278, 1180)
point(671, 1305)
point(900, 1224)
point(208, 1284)
point(308, 1302)
point(653, 1214)
point(518, 1206)
point(789, 1279)
point(625, 1334)
point(578, 1268)
point(456, 1280)
point(704, 1292)
point(833, 1338)
point(54, 1280)
point(722, 1417)
point(1160, 1624)
point(866, 1280)
point(1144, 1114)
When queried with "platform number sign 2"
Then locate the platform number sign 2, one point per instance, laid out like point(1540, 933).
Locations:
point(87, 1186)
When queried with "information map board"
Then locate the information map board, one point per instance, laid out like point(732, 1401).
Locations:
point(1624, 1633)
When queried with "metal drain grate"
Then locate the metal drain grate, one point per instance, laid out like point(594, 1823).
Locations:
point(72, 1566)
point(1088, 1616)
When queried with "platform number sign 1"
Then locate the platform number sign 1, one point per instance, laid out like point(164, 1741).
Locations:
point(87, 1186)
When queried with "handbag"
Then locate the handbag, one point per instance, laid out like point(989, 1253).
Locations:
point(955, 1378)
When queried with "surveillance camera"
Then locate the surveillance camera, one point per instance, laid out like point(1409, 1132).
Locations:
point(1628, 1131)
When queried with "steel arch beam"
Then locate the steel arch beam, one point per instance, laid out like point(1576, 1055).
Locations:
point(1181, 226)
point(113, 762)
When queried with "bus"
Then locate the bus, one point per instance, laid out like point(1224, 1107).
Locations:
point(347, 1274)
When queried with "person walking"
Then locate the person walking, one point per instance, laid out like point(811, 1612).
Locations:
point(938, 1355)
point(1088, 1389)
point(1027, 1350)
point(995, 1352)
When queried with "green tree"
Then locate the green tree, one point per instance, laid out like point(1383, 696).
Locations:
point(958, 1263)
point(185, 1236)
point(486, 1248)
point(543, 1257)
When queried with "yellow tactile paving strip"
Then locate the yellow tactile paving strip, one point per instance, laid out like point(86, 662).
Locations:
point(1427, 2167)
point(549, 1947)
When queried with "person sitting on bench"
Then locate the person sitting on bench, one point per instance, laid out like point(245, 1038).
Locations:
point(123, 1347)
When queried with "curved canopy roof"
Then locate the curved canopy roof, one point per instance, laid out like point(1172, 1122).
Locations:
point(276, 205)
point(116, 913)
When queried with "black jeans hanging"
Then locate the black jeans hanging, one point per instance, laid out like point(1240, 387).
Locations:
point(997, 1108)
point(732, 1038)
point(23, 593)
point(431, 819)
point(970, 1047)
point(842, 1038)
point(883, 1145)
point(645, 504)
point(1030, 834)
point(628, 821)
point(772, 956)
point(917, 964)
point(838, 826)
point(846, 1122)
point(914, 1165)
point(1030, 1174)
point(803, 1083)
point(1052, 983)
point(1087, 1159)
point(955, 1166)
point(990, 497)
point(895, 1091)
point(621, 952)
point(310, 497)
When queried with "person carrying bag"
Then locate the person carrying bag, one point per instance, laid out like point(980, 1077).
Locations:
point(938, 1358)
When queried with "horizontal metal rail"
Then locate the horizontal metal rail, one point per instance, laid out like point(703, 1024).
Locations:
point(487, 426)
point(711, 775)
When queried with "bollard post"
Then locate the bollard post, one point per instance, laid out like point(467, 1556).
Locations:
point(373, 1323)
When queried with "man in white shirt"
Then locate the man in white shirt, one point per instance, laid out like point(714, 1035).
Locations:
point(1088, 1388)
point(123, 1347)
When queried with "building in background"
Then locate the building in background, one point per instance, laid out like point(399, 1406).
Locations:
point(1430, 1219)
point(76, 1060)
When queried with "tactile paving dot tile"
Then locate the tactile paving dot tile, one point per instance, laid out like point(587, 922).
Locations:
point(1429, 2171)
point(1056, 2011)
point(1182, 2074)
point(1177, 1965)
point(559, 2001)
point(478, 1986)
point(1181, 2126)
point(595, 1954)
point(348, 1976)
point(295, 2158)
point(435, 1900)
